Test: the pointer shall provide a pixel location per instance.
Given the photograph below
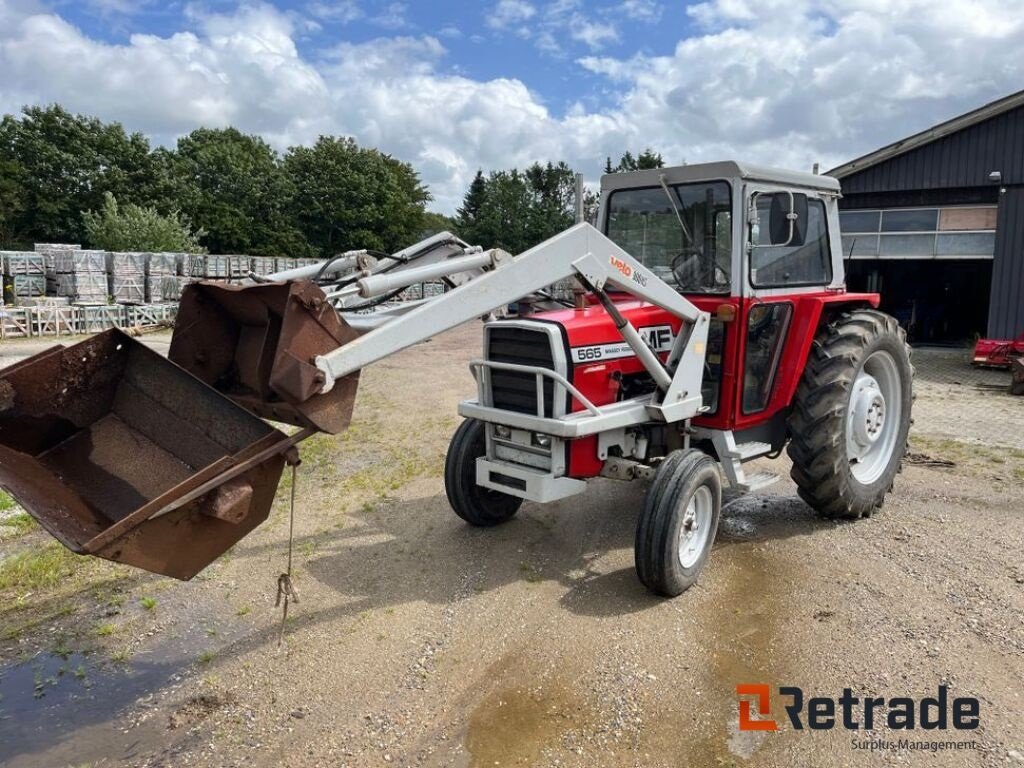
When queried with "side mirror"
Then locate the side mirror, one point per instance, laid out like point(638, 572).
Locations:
point(787, 220)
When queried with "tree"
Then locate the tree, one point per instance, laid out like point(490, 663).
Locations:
point(348, 197)
point(434, 223)
point(515, 209)
point(468, 214)
point(233, 186)
point(646, 160)
point(134, 228)
point(12, 201)
point(65, 164)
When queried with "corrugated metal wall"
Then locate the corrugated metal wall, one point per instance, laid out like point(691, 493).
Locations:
point(1006, 307)
point(954, 170)
point(962, 159)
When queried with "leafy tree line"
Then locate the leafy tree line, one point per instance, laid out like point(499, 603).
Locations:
point(73, 178)
point(516, 209)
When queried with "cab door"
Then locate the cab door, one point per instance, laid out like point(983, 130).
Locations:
point(787, 271)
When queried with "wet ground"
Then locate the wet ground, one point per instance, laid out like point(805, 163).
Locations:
point(419, 641)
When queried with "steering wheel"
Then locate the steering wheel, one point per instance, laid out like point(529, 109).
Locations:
point(688, 270)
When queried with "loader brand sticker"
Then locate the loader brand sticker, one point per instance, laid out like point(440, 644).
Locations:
point(658, 337)
point(939, 712)
point(627, 270)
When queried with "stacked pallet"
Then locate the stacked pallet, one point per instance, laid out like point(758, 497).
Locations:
point(170, 288)
point(160, 267)
point(282, 263)
point(238, 267)
point(24, 273)
point(209, 267)
point(49, 252)
point(263, 265)
point(127, 272)
point(80, 276)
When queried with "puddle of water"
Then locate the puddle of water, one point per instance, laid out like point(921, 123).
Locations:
point(58, 709)
point(739, 634)
point(513, 726)
point(47, 700)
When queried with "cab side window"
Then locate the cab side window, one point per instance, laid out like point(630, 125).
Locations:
point(804, 261)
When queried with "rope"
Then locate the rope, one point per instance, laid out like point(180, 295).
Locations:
point(285, 588)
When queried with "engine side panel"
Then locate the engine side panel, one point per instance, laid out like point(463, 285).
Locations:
point(605, 370)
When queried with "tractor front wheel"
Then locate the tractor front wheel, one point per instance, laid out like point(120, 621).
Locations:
point(851, 415)
point(474, 504)
point(678, 523)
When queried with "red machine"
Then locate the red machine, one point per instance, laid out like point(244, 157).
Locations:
point(709, 326)
point(998, 353)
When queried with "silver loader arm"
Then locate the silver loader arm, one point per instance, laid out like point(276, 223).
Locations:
point(581, 252)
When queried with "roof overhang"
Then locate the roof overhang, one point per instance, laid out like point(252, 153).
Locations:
point(927, 136)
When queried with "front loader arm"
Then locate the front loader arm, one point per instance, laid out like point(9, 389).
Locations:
point(580, 252)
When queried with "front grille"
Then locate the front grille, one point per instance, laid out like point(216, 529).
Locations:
point(511, 390)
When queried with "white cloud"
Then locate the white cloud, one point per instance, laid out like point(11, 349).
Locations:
point(336, 11)
point(510, 13)
point(393, 16)
point(647, 11)
point(788, 82)
point(594, 33)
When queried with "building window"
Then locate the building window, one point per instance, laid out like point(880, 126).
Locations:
point(919, 233)
point(911, 220)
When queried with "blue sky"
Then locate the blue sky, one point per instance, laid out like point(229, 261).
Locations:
point(484, 43)
point(455, 86)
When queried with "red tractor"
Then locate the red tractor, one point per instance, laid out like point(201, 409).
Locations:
point(709, 325)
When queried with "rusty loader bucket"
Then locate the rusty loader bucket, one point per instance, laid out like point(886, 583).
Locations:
point(119, 453)
point(257, 345)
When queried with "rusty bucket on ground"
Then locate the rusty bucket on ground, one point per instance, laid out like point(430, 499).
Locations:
point(119, 453)
point(257, 344)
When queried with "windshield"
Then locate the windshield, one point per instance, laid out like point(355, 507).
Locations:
point(693, 255)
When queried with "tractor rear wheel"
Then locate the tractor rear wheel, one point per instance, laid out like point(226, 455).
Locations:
point(474, 504)
point(851, 415)
point(678, 523)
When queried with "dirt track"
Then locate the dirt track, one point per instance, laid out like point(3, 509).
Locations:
point(420, 641)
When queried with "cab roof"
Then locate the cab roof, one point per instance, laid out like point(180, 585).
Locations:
point(726, 169)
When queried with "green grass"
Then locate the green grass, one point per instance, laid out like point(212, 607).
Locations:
point(531, 574)
point(19, 523)
point(243, 611)
point(6, 502)
point(105, 630)
point(36, 569)
point(206, 657)
point(149, 603)
point(968, 453)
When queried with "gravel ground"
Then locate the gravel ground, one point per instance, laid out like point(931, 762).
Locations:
point(421, 642)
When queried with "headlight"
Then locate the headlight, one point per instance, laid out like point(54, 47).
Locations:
point(541, 441)
point(500, 430)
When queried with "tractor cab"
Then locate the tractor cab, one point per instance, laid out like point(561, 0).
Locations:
point(757, 248)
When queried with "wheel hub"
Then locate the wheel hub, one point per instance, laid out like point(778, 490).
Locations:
point(867, 411)
point(693, 531)
point(873, 417)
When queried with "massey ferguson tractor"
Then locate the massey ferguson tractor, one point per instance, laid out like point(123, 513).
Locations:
point(704, 322)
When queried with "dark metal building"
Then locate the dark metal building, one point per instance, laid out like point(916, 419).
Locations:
point(935, 223)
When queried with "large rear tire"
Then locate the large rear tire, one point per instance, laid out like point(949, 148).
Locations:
point(678, 523)
point(851, 415)
point(477, 506)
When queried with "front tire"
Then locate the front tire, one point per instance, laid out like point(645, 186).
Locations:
point(678, 523)
point(851, 415)
point(476, 505)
